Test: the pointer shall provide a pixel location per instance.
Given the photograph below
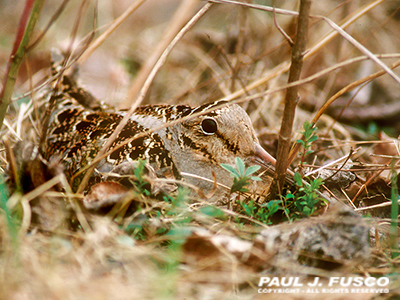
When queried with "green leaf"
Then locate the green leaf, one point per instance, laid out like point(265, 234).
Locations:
point(313, 138)
point(231, 170)
point(289, 196)
point(307, 125)
point(240, 166)
point(297, 179)
point(178, 235)
point(213, 211)
point(255, 178)
point(273, 206)
point(239, 185)
point(252, 169)
point(315, 184)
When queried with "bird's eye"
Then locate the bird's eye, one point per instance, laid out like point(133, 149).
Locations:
point(209, 126)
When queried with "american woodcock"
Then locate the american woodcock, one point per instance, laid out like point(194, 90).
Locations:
point(191, 149)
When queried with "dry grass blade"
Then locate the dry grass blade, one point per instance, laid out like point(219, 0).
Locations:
point(154, 240)
point(256, 6)
point(66, 64)
point(114, 25)
point(344, 90)
point(42, 189)
point(143, 91)
point(360, 47)
point(179, 19)
point(51, 22)
point(336, 161)
point(12, 163)
point(346, 23)
point(284, 67)
point(27, 24)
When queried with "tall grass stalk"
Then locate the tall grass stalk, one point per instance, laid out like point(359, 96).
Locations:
point(27, 24)
point(7, 213)
point(394, 213)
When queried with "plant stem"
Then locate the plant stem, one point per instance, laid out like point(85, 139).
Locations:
point(291, 97)
point(27, 23)
point(6, 211)
point(142, 94)
point(394, 213)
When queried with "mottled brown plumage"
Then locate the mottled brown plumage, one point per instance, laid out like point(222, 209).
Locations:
point(194, 146)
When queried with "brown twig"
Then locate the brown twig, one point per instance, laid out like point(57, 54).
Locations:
point(284, 66)
point(113, 26)
point(365, 185)
point(344, 90)
point(55, 16)
point(143, 92)
point(341, 167)
point(26, 26)
point(13, 167)
point(181, 17)
point(291, 96)
point(46, 118)
point(233, 69)
point(280, 29)
point(238, 48)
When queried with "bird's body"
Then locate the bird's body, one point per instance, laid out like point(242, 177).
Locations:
point(172, 142)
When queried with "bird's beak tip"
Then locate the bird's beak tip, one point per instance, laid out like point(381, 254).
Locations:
point(262, 154)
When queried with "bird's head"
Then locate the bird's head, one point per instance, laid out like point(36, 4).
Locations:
point(222, 134)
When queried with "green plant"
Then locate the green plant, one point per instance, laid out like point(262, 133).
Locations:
point(394, 212)
point(213, 212)
point(163, 219)
point(27, 24)
point(140, 181)
point(241, 176)
point(306, 199)
point(4, 210)
point(260, 212)
point(306, 142)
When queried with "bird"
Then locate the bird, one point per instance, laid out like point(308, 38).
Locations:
point(177, 141)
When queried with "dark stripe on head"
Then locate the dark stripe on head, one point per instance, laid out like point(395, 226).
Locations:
point(230, 146)
point(209, 106)
point(188, 142)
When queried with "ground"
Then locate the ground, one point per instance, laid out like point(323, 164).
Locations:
point(51, 246)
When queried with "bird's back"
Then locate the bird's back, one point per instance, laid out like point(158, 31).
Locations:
point(175, 140)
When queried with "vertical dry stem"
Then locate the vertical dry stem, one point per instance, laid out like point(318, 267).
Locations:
point(178, 20)
point(291, 96)
point(161, 60)
point(27, 23)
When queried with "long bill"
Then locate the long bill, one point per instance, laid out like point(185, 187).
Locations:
point(266, 158)
point(263, 155)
